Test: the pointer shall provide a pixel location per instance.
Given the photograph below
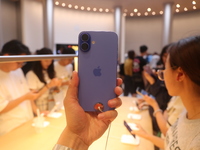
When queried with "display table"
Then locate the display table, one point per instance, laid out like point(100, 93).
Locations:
point(25, 137)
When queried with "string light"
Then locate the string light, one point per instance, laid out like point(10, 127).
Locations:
point(178, 5)
point(70, 6)
point(193, 2)
point(135, 10)
point(76, 6)
point(63, 4)
point(57, 3)
point(185, 9)
point(106, 10)
point(148, 9)
point(82, 7)
point(88, 8)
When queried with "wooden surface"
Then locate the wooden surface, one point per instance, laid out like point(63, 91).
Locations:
point(26, 138)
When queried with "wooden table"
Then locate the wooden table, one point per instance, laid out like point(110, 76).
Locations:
point(25, 137)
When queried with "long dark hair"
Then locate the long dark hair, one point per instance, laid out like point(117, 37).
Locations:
point(186, 54)
point(37, 67)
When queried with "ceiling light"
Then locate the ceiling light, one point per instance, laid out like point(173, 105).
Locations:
point(193, 2)
point(94, 9)
point(178, 5)
point(106, 10)
point(70, 6)
point(146, 13)
point(139, 14)
point(135, 10)
point(88, 9)
point(185, 9)
point(125, 14)
point(125, 10)
point(82, 7)
point(57, 3)
point(153, 13)
point(100, 9)
point(76, 7)
point(161, 12)
point(148, 9)
point(177, 10)
point(131, 14)
point(194, 7)
point(63, 4)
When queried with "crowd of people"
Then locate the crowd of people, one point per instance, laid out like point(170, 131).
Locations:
point(174, 107)
point(40, 86)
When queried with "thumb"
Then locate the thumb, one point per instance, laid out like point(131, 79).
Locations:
point(72, 91)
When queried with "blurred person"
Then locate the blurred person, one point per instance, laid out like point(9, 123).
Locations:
point(138, 64)
point(128, 71)
point(42, 76)
point(63, 69)
point(157, 88)
point(83, 128)
point(144, 53)
point(15, 96)
point(182, 79)
point(154, 60)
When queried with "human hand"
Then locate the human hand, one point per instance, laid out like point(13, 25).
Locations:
point(85, 127)
point(152, 102)
point(55, 82)
point(32, 95)
point(140, 132)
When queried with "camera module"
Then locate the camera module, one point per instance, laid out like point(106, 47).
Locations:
point(85, 46)
point(85, 37)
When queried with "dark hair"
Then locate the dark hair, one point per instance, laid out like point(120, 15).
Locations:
point(186, 54)
point(131, 54)
point(37, 67)
point(15, 47)
point(143, 48)
point(164, 50)
point(68, 51)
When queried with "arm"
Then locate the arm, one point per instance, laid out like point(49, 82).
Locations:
point(159, 142)
point(80, 133)
point(13, 103)
point(160, 118)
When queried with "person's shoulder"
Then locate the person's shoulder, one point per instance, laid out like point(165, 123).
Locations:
point(18, 71)
point(30, 74)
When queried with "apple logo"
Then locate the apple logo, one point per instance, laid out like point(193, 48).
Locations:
point(97, 71)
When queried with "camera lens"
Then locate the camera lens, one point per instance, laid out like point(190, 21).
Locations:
point(85, 37)
point(85, 46)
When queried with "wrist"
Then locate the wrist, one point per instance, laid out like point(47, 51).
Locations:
point(156, 112)
point(72, 140)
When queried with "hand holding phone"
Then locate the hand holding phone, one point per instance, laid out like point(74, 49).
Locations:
point(97, 69)
point(128, 128)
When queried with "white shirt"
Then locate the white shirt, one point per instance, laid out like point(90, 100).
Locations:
point(65, 73)
point(34, 83)
point(13, 85)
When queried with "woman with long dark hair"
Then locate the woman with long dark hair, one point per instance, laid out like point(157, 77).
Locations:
point(42, 75)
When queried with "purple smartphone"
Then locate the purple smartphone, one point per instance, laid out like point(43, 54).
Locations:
point(97, 69)
point(128, 128)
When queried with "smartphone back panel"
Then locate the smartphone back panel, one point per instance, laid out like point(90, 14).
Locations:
point(97, 68)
